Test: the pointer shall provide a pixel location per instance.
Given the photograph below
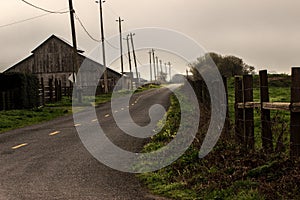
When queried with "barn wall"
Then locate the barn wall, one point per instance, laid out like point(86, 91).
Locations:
point(53, 56)
point(25, 66)
point(53, 59)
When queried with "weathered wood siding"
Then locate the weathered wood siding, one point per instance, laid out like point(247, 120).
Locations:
point(25, 66)
point(53, 59)
point(54, 56)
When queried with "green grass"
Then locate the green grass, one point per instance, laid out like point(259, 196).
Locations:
point(227, 172)
point(190, 177)
point(100, 99)
point(279, 91)
point(13, 119)
point(161, 182)
point(146, 87)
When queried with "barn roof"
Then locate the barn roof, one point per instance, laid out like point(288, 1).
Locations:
point(18, 63)
point(65, 42)
point(56, 37)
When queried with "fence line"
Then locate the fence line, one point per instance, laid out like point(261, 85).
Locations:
point(244, 111)
point(53, 92)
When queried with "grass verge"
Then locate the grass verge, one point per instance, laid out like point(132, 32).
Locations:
point(13, 119)
point(226, 173)
point(279, 91)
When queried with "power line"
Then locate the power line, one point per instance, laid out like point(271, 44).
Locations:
point(90, 36)
point(45, 10)
point(136, 59)
point(127, 56)
point(117, 48)
point(24, 20)
point(139, 61)
point(28, 19)
point(86, 31)
point(110, 44)
point(96, 40)
point(112, 11)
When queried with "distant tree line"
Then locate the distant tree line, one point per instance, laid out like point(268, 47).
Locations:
point(228, 66)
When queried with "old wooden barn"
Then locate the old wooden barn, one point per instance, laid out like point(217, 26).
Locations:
point(52, 63)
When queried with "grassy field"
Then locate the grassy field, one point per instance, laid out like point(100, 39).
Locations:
point(190, 177)
point(279, 91)
point(13, 119)
point(228, 172)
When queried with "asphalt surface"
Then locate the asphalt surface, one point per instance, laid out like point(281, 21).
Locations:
point(49, 161)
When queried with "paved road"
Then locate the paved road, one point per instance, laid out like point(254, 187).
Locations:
point(48, 161)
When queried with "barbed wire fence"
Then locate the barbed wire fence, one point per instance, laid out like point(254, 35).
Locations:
point(255, 122)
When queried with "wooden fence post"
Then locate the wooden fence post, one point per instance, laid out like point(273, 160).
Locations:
point(7, 103)
point(239, 127)
point(295, 116)
point(195, 87)
point(6, 96)
point(248, 112)
point(11, 99)
point(59, 90)
point(266, 132)
point(56, 89)
point(50, 90)
point(43, 92)
point(227, 120)
point(200, 85)
point(205, 94)
point(70, 90)
point(65, 90)
point(3, 100)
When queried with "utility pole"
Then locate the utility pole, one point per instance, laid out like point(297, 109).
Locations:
point(103, 47)
point(73, 38)
point(134, 58)
point(129, 58)
point(75, 54)
point(166, 70)
point(161, 71)
point(150, 56)
point(153, 54)
point(170, 72)
point(157, 67)
point(129, 55)
point(121, 46)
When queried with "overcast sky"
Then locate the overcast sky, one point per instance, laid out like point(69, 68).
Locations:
point(265, 33)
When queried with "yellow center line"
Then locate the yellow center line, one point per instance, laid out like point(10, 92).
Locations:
point(77, 125)
point(107, 115)
point(54, 133)
point(19, 146)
